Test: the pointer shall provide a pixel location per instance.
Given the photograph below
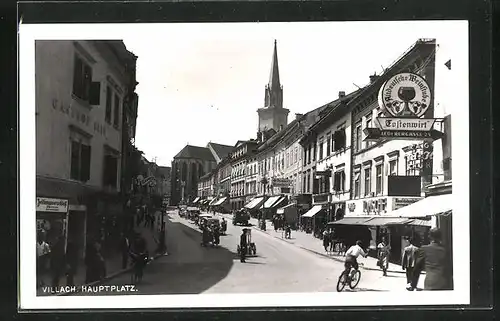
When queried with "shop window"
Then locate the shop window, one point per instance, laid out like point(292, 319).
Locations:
point(110, 173)
point(116, 116)
point(339, 139)
point(367, 177)
point(357, 185)
point(379, 179)
point(80, 161)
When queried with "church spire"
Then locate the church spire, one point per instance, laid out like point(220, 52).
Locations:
point(274, 78)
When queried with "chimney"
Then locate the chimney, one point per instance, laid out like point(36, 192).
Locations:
point(373, 78)
point(298, 116)
point(341, 94)
point(281, 127)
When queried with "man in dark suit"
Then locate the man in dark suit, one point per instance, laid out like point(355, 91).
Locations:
point(434, 260)
point(243, 245)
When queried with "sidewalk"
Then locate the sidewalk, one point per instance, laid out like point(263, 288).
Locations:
point(113, 263)
point(309, 243)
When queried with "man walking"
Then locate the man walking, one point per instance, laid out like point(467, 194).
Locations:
point(243, 245)
point(434, 260)
point(408, 262)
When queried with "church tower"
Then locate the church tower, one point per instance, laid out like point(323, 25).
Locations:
point(273, 115)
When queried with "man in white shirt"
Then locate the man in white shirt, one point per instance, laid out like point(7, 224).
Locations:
point(352, 254)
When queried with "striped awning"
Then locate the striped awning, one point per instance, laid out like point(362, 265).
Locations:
point(220, 201)
point(270, 202)
point(313, 211)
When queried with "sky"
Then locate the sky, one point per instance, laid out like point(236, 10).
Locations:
point(201, 83)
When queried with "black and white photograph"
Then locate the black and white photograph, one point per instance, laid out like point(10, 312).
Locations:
point(202, 165)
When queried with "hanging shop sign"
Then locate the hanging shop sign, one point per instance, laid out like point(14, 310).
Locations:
point(404, 99)
point(280, 182)
point(400, 202)
point(53, 205)
point(377, 133)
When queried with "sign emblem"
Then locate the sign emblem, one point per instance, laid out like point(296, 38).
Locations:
point(405, 95)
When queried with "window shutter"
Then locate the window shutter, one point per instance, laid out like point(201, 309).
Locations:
point(87, 81)
point(95, 93)
point(85, 163)
point(77, 77)
point(75, 159)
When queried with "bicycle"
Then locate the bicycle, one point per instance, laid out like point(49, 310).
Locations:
point(349, 276)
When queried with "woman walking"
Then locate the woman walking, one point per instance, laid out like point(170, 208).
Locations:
point(384, 250)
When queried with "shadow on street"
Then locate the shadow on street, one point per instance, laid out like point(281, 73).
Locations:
point(189, 268)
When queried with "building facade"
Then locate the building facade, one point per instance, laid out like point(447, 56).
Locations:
point(244, 152)
point(331, 134)
point(388, 174)
point(189, 165)
point(84, 89)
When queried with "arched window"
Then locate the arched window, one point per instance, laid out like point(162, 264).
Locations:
point(194, 177)
point(200, 170)
point(184, 172)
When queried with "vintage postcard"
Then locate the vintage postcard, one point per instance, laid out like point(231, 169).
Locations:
point(219, 165)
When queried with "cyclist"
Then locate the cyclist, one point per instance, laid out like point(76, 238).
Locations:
point(351, 256)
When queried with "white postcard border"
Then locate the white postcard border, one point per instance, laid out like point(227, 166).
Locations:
point(27, 180)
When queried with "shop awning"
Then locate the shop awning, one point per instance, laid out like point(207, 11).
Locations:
point(220, 201)
point(381, 221)
point(213, 201)
point(417, 222)
point(196, 200)
point(351, 221)
point(313, 211)
point(429, 206)
point(252, 203)
point(281, 210)
point(280, 202)
point(270, 201)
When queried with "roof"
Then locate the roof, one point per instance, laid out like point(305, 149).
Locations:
point(306, 120)
point(221, 150)
point(195, 152)
point(274, 77)
point(164, 171)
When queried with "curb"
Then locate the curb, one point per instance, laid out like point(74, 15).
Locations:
point(107, 278)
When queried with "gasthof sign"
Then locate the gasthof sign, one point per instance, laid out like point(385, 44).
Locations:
point(405, 95)
point(416, 124)
point(53, 205)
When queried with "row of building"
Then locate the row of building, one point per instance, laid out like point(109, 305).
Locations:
point(322, 164)
point(90, 177)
